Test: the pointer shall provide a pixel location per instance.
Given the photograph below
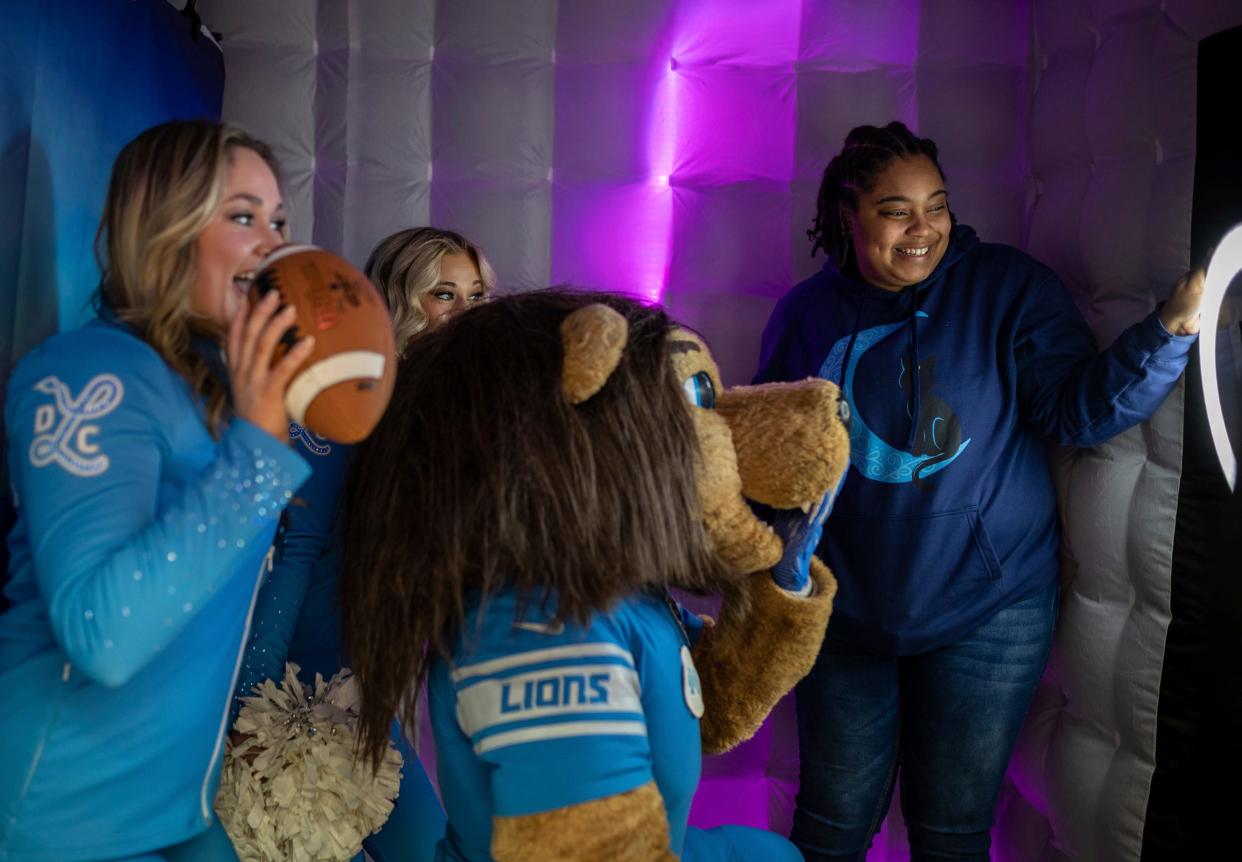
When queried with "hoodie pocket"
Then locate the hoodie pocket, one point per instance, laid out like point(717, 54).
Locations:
point(909, 573)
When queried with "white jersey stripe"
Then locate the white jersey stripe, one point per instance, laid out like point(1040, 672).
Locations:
point(560, 731)
point(568, 652)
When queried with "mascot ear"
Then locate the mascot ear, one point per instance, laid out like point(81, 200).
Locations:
point(594, 337)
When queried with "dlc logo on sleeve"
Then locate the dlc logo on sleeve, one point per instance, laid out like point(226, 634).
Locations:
point(65, 431)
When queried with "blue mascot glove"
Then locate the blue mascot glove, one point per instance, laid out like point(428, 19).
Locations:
point(801, 534)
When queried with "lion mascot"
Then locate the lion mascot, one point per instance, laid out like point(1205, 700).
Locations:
point(551, 465)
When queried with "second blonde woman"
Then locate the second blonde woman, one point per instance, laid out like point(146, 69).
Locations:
point(427, 276)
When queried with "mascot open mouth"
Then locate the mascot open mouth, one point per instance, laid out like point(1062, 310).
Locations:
point(783, 445)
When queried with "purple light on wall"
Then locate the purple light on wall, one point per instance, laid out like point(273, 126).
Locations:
point(615, 146)
point(652, 256)
point(721, 112)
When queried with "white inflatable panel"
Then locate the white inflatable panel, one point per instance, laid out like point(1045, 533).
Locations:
point(673, 148)
point(1112, 143)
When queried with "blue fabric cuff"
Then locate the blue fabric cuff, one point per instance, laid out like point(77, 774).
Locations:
point(1154, 325)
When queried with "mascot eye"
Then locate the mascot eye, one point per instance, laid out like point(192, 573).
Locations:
point(700, 391)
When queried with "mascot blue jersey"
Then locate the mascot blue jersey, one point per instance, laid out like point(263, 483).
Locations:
point(534, 715)
point(139, 546)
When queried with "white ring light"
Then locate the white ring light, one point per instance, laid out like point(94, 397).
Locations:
point(1225, 264)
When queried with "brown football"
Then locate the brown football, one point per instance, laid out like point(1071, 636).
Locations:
point(342, 389)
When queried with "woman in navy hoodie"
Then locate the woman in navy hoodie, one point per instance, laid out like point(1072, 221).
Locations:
point(958, 359)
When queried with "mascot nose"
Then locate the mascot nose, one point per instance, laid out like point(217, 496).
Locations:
point(843, 412)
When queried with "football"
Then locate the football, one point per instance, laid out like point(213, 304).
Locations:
point(341, 390)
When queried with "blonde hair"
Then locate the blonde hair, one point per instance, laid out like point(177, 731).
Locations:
point(166, 186)
point(406, 265)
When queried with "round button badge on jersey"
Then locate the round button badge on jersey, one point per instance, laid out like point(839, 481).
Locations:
point(690, 686)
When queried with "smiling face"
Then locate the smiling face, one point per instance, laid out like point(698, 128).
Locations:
point(458, 287)
point(247, 225)
point(901, 227)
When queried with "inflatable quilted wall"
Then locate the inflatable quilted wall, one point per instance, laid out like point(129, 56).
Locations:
point(1112, 143)
point(669, 148)
point(672, 149)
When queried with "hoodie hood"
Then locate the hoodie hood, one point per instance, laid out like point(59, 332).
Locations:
point(961, 240)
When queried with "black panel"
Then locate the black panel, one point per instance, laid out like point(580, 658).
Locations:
point(1195, 791)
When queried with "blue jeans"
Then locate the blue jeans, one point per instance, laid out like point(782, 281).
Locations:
point(950, 717)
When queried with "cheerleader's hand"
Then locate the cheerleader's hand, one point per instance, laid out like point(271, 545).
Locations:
point(801, 533)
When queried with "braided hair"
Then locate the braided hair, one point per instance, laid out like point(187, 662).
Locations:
point(867, 152)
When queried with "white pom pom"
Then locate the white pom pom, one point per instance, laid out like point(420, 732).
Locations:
point(292, 789)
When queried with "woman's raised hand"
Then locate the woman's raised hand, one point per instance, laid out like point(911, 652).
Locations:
point(1180, 314)
point(258, 385)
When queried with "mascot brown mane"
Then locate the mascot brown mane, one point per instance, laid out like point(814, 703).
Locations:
point(553, 443)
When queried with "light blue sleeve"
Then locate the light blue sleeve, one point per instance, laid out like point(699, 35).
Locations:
point(120, 570)
point(737, 844)
point(559, 720)
point(307, 534)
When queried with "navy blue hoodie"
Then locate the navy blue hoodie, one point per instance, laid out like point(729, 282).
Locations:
point(948, 513)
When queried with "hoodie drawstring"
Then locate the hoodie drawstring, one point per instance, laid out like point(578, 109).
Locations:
point(849, 347)
point(917, 404)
